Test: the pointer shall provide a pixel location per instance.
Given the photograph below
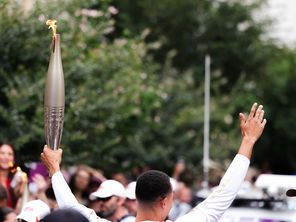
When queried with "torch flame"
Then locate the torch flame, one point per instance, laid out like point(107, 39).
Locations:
point(52, 25)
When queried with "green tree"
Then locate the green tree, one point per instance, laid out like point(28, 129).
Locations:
point(245, 68)
point(188, 30)
point(111, 92)
point(134, 80)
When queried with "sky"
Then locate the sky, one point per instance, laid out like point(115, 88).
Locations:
point(284, 14)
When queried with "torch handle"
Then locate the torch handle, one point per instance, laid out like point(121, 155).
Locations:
point(54, 121)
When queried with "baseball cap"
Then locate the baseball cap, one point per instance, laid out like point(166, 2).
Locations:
point(107, 189)
point(291, 193)
point(130, 191)
point(34, 211)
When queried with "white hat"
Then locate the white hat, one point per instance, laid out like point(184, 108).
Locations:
point(130, 191)
point(107, 189)
point(34, 211)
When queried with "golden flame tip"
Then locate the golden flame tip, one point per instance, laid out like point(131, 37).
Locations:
point(51, 23)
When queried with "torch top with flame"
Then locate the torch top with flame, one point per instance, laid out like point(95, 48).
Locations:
point(52, 25)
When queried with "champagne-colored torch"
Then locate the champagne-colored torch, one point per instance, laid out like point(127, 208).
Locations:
point(54, 97)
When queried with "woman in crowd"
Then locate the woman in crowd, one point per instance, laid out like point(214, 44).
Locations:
point(11, 176)
point(79, 184)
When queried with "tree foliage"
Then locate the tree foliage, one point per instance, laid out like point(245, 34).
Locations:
point(134, 80)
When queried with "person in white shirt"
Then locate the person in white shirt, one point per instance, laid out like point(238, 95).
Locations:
point(153, 190)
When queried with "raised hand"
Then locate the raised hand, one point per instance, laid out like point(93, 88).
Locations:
point(251, 128)
point(254, 124)
point(51, 159)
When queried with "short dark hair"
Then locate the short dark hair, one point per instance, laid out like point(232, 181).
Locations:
point(4, 211)
point(65, 215)
point(152, 185)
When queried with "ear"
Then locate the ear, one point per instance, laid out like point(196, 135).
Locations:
point(163, 202)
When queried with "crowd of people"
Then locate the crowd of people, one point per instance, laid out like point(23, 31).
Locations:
point(85, 194)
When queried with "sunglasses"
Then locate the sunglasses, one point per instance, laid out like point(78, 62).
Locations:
point(104, 199)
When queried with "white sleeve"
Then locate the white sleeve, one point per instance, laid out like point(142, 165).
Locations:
point(66, 199)
point(212, 208)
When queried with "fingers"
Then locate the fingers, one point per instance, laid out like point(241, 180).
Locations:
point(46, 150)
point(264, 122)
point(256, 113)
point(49, 154)
point(242, 118)
point(259, 113)
point(253, 110)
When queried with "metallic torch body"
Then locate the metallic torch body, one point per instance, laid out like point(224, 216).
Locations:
point(54, 97)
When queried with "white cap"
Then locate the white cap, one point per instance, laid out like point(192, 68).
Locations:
point(130, 191)
point(34, 211)
point(107, 189)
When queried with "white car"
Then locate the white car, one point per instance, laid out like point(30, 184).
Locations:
point(243, 214)
point(264, 202)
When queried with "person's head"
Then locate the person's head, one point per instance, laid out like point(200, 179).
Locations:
point(34, 211)
point(111, 195)
point(7, 214)
point(120, 177)
point(154, 191)
point(185, 194)
point(80, 179)
point(131, 202)
point(96, 205)
point(7, 155)
point(65, 215)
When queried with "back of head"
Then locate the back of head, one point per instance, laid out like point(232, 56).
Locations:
point(151, 186)
point(65, 215)
point(34, 210)
point(4, 211)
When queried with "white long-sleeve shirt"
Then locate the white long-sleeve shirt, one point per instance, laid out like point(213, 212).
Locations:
point(210, 210)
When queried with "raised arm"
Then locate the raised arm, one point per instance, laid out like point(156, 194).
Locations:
point(64, 196)
point(212, 208)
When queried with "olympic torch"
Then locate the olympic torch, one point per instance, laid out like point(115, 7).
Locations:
point(54, 97)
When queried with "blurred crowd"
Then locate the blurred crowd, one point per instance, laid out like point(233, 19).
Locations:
point(27, 195)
